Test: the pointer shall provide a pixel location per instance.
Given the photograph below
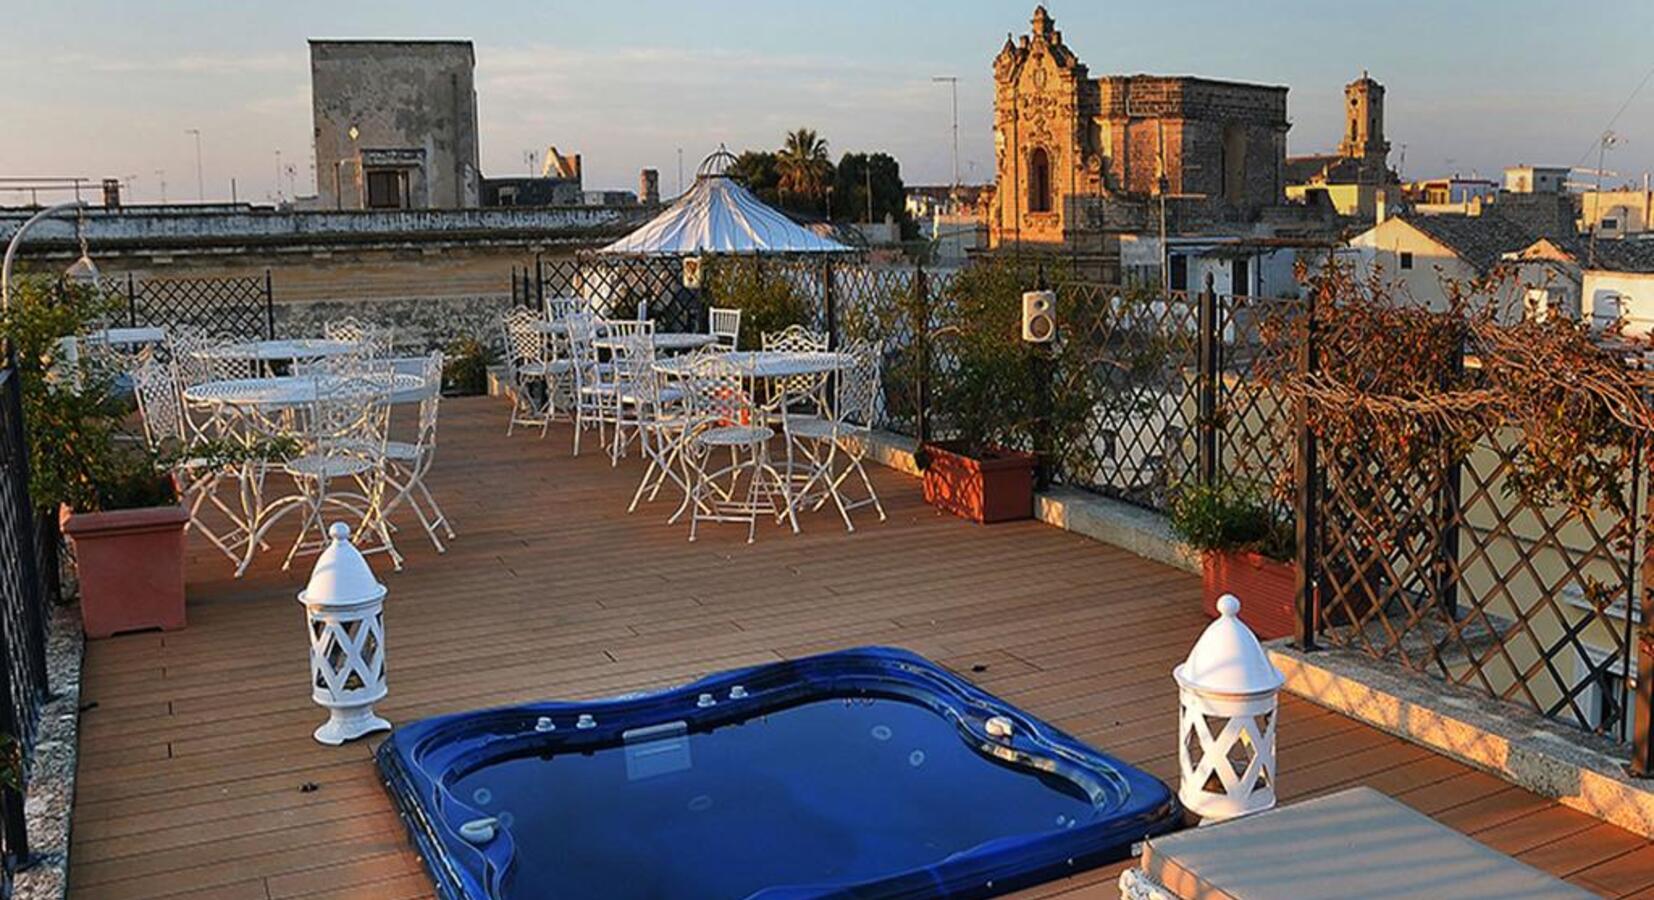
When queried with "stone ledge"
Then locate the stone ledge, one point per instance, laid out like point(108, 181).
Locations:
point(1579, 770)
point(1128, 527)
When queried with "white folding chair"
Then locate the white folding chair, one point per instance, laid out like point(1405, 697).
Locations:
point(532, 370)
point(408, 462)
point(723, 417)
point(168, 435)
point(342, 462)
point(835, 443)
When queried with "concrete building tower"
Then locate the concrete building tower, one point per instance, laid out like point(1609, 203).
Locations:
point(1364, 122)
point(648, 188)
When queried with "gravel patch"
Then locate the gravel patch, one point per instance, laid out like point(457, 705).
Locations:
point(51, 794)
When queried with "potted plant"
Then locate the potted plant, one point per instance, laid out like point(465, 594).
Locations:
point(990, 406)
point(1246, 550)
point(118, 509)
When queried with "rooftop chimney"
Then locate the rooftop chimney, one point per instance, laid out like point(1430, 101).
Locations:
point(112, 193)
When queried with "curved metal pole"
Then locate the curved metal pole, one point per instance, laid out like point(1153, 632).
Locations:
point(17, 238)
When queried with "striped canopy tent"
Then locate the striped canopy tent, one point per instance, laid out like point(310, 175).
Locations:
point(720, 216)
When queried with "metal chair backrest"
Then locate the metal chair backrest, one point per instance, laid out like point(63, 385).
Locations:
point(797, 339)
point(155, 386)
point(624, 328)
point(377, 339)
point(859, 385)
point(560, 308)
point(725, 325)
point(524, 343)
point(717, 390)
point(794, 339)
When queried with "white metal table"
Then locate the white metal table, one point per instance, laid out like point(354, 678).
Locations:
point(287, 391)
point(665, 341)
point(769, 365)
point(289, 350)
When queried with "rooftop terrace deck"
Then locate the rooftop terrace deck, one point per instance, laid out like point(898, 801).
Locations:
point(197, 749)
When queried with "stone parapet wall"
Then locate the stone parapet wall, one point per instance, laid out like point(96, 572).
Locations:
point(422, 323)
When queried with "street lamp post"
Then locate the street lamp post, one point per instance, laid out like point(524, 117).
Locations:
point(200, 184)
point(953, 85)
point(82, 269)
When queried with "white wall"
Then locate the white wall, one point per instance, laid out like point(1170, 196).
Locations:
point(1610, 295)
point(1381, 250)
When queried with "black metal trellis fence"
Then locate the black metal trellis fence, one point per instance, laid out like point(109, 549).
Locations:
point(232, 306)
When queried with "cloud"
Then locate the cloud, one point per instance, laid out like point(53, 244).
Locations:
point(192, 64)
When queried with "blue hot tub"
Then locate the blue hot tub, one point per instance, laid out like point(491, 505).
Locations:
point(866, 773)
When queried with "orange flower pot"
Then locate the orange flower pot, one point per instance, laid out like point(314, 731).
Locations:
point(1267, 588)
point(999, 487)
point(131, 568)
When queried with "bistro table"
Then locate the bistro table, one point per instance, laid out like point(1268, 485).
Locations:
point(769, 365)
point(287, 391)
point(773, 368)
point(290, 350)
point(248, 409)
point(665, 341)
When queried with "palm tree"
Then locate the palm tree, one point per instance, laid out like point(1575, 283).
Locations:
point(803, 164)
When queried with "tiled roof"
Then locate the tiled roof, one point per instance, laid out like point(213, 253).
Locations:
point(1612, 254)
point(1624, 255)
point(1478, 240)
point(1303, 169)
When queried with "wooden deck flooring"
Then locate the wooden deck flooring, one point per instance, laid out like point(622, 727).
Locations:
point(196, 749)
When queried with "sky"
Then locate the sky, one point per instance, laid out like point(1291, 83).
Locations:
point(112, 87)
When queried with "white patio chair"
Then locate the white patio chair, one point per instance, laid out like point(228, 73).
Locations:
point(560, 308)
point(723, 421)
point(595, 390)
point(800, 392)
point(661, 415)
point(408, 462)
point(725, 325)
point(342, 463)
point(532, 370)
point(835, 444)
point(168, 435)
point(626, 416)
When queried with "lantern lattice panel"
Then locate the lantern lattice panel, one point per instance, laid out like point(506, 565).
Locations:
point(1230, 754)
point(347, 656)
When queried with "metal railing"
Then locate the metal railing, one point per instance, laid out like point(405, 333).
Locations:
point(23, 677)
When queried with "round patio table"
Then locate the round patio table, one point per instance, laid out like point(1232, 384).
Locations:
point(665, 341)
point(284, 391)
point(771, 364)
point(290, 350)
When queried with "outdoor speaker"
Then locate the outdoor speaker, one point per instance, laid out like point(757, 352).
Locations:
point(1039, 317)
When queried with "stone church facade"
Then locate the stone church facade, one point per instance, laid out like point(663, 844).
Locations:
point(1079, 158)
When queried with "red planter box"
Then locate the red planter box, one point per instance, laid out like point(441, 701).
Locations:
point(131, 568)
point(997, 488)
point(1267, 588)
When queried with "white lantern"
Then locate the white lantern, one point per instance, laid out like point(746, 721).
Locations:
point(1227, 692)
point(345, 610)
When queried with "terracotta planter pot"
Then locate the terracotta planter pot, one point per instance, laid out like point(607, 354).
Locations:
point(1267, 588)
point(997, 488)
point(131, 568)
